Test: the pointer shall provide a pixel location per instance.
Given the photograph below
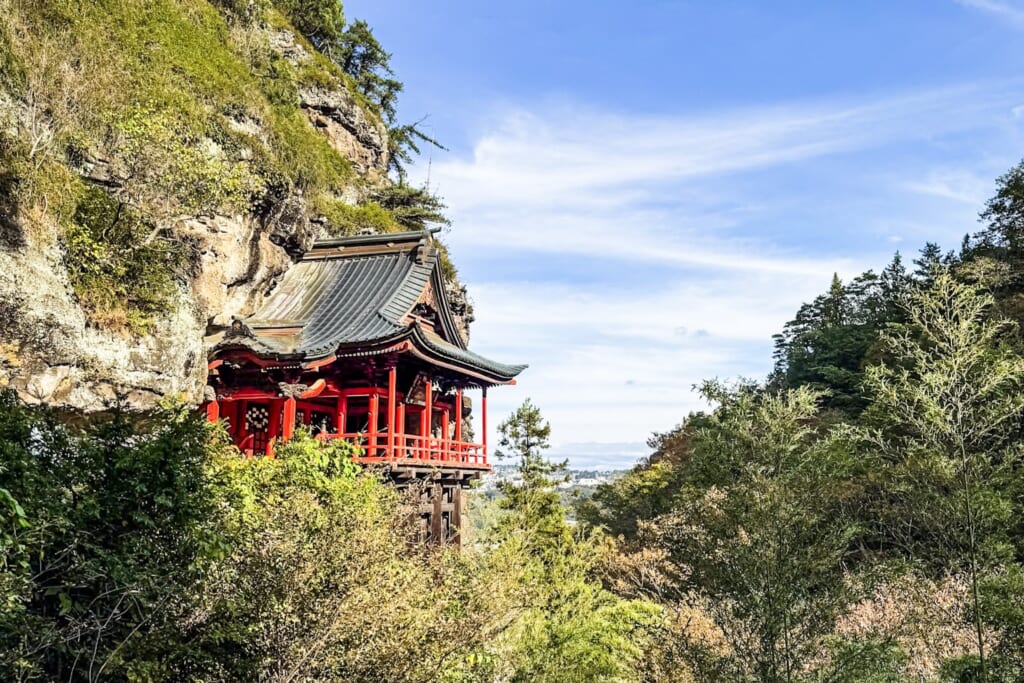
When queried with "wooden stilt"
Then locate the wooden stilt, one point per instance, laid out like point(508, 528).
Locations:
point(436, 519)
point(456, 519)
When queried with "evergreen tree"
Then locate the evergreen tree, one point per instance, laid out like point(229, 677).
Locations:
point(573, 629)
point(826, 344)
point(414, 208)
point(1004, 215)
point(929, 261)
point(361, 56)
point(534, 504)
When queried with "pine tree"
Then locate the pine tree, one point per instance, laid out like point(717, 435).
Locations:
point(534, 504)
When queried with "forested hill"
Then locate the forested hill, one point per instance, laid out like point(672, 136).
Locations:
point(856, 515)
point(162, 162)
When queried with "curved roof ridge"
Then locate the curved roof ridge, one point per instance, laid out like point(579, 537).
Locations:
point(403, 299)
point(376, 238)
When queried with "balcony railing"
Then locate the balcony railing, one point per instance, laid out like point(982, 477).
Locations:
point(412, 449)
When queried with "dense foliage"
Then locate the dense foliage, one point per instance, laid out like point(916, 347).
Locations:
point(145, 548)
point(857, 516)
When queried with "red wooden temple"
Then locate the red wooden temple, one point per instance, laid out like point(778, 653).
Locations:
point(359, 342)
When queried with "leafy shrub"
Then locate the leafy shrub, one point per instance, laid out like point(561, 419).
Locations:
point(105, 533)
point(122, 274)
point(244, 11)
point(345, 219)
point(321, 21)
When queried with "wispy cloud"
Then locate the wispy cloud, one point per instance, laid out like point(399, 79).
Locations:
point(1006, 10)
point(628, 257)
point(953, 184)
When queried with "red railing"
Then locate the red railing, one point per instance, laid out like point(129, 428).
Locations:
point(412, 449)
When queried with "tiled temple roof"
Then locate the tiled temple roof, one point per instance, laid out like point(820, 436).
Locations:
point(354, 296)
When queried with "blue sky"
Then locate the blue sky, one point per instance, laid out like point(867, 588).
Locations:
point(644, 192)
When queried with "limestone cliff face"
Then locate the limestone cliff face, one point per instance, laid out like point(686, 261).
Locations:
point(52, 352)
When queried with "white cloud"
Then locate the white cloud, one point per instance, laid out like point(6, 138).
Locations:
point(659, 271)
point(954, 184)
point(1006, 10)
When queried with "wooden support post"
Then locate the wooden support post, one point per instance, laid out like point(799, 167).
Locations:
point(436, 520)
point(371, 449)
point(392, 380)
point(213, 410)
point(288, 428)
point(456, 519)
point(483, 419)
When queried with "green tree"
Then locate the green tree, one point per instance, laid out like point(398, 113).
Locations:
point(1004, 215)
point(413, 208)
point(950, 407)
point(829, 341)
point(361, 56)
point(762, 529)
point(571, 629)
point(403, 142)
point(321, 582)
point(534, 504)
point(994, 256)
point(645, 492)
point(321, 21)
point(109, 533)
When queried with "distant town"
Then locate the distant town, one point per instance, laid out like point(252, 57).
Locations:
point(580, 483)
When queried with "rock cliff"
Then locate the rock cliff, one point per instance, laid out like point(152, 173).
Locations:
point(222, 203)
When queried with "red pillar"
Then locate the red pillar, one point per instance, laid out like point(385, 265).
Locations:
point(445, 441)
point(400, 428)
point(274, 429)
point(392, 380)
point(483, 418)
point(371, 449)
point(428, 410)
point(288, 428)
point(341, 417)
point(458, 423)
point(458, 415)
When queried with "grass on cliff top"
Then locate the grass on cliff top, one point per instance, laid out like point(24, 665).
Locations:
point(181, 59)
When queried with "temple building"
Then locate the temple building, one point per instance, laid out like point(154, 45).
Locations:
point(359, 342)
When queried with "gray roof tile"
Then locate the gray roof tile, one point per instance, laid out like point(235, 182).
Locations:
point(351, 292)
